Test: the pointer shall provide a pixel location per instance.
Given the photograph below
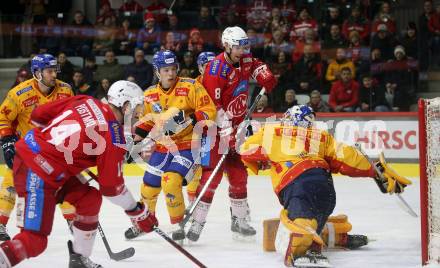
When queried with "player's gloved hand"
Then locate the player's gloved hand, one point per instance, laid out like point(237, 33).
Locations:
point(387, 179)
point(8, 146)
point(142, 218)
point(264, 77)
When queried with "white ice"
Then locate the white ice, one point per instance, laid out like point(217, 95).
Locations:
point(396, 235)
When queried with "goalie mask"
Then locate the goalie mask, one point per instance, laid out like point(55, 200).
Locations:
point(299, 115)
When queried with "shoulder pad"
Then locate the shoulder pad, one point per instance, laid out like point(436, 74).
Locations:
point(188, 80)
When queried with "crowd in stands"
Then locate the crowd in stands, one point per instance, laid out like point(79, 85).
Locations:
point(344, 56)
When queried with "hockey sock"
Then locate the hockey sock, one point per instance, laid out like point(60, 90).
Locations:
point(239, 208)
point(149, 196)
point(172, 188)
point(83, 240)
point(201, 212)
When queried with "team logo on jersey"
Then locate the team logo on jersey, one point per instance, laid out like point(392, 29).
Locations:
point(30, 101)
point(151, 97)
point(225, 70)
point(242, 87)
point(6, 111)
point(116, 132)
point(214, 67)
point(156, 107)
point(238, 105)
point(24, 90)
point(182, 91)
point(62, 96)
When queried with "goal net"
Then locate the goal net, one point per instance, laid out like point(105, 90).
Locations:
point(429, 141)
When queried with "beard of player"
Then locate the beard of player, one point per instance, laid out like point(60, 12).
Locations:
point(46, 79)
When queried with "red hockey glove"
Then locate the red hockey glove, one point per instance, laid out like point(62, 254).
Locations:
point(141, 218)
point(264, 77)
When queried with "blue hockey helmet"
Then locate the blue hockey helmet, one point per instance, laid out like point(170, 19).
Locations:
point(164, 58)
point(299, 115)
point(43, 61)
point(205, 57)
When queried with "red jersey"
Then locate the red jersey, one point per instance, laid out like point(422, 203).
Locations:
point(346, 95)
point(77, 133)
point(228, 85)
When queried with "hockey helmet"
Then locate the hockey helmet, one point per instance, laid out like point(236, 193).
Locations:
point(43, 61)
point(164, 58)
point(205, 57)
point(299, 115)
point(122, 91)
point(235, 36)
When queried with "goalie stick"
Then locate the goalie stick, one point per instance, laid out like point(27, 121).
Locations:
point(117, 256)
point(220, 162)
point(404, 205)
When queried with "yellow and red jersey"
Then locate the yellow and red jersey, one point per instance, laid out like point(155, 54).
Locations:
point(16, 109)
point(293, 150)
point(187, 95)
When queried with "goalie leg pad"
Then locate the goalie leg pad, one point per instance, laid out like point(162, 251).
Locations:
point(149, 195)
point(7, 197)
point(335, 231)
point(172, 188)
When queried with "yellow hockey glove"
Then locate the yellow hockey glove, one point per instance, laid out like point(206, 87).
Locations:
point(387, 179)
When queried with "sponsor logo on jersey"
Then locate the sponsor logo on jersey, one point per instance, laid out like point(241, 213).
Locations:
point(62, 96)
point(116, 132)
point(214, 67)
point(6, 111)
point(44, 164)
point(29, 139)
point(238, 105)
point(183, 161)
point(34, 203)
point(247, 60)
point(189, 80)
point(24, 90)
point(225, 70)
point(151, 97)
point(182, 91)
point(30, 101)
point(241, 87)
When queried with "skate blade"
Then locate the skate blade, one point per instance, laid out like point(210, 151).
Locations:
point(313, 265)
point(241, 238)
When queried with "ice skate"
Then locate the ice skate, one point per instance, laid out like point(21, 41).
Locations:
point(3, 233)
point(195, 230)
point(311, 259)
point(133, 232)
point(79, 261)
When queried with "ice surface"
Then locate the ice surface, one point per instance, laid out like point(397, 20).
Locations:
point(396, 234)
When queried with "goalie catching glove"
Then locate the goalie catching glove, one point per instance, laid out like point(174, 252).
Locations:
point(387, 179)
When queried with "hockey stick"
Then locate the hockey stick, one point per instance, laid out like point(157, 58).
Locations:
point(179, 247)
point(220, 162)
point(404, 205)
point(117, 256)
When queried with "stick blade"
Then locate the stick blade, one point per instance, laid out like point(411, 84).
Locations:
point(125, 254)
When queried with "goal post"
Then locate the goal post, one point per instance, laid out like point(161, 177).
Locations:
point(429, 144)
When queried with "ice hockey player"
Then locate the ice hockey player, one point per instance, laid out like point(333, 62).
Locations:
point(172, 108)
point(302, 160)
point(15, 112)
point(76, 133)
point(226, 79)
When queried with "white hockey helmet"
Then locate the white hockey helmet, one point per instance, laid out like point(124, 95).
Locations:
point(122, 91)
point(234, 36)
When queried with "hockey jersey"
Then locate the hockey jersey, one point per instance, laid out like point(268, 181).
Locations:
point(292, 150)
point(187, 95)
point(16, 109)
point(228, 85)
point(77, 133)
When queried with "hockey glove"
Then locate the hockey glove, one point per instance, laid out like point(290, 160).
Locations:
point(8, 145)
point(387, 179)
point(141, 218)
point(264, 77)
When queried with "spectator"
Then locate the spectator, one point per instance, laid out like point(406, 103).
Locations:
point(358, 23)
point(276, 45)
point(205, 21)
point(256, 41)
point(80, 36)
point(335, 39)
point(148, 38)
point(333, 17)
point(22, 75)
point(434, 28)
point(263, 105)
point(304, 22)
point(289, 101)
point(409, 41)
point(79, 85)
point(105, 37)
point(344, 94)
point(277, 22)
point(188, 68)
point(171, 44)
point(233, 13)
point(424, 35)
point(395, 98)
point(106, 12)
point(173, 24)
point(50, 37)
point(372, 96)
point(195, 42)
point(101, 92)
point(309, 39)
point(377, 65)
point(159, 10)
point(281, 65)
point(383, 41)
point(89, 70)
point(335, 67)
point(130, 6)
point(317, 104)
point(287, 9)
point(258, 14)
point(385, 17)
point(125, 39)
point(66, 68)
point(307, 70)
point(110, 70)
point(355, 47)
point(141, 70)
